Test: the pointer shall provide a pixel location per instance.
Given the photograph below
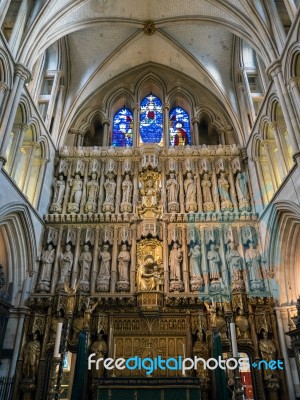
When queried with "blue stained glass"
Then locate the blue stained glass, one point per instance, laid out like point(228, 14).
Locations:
point(151, 121)
point(122, 128)
point(179, 127)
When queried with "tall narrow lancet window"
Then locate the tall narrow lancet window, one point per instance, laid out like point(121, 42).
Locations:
point(151, 121)
point(179, 127)
point(122, 128)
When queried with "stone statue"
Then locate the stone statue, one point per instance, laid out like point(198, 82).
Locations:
point(127, 189)
point(175, 262)
point(87, 316)
point(47, 259)
point(173, 190)
point(123, 269)
point(253, 261)
point(103, 278)
point(200, 350)
point(149, 194)
point(196, 279)
point(190, 193)
point(206, 189)
point(85, 262)
point(234, 262)
point(146, 276)
point(31, 357)
point(92, 192)
point(58, 194)
point(242, 325)
point(241, 187)
point(76, 191)
point(214, 260)
point(268, 353)
point(195, 261)
point(99, 347)
point(66, 263)
point(110, 189)
point(224, 192)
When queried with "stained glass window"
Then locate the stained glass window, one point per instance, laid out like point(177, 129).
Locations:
point(179, 127)
point(151, 121)
point(122, 128)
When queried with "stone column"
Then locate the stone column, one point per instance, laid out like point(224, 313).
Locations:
point(95, 261)
point(281, 150)
point(185, 269)
point(245, 116)
point(4, 5)
point(3, 92)
point(291, 8)
point(19, 26)
point(38, 192)
point(133, 257)
point(22, 75)
point(261, 182)
point(114, 263)
point(272, 167)
point(275, 72)
point(76, 267)
point(14, 153)
point(56, 271)
point(195, 122)
point(294, 84)
point(164, 199)
point(277, 27)
point(136, 124)
point(58, 112)
point(221, 133)
point(106, 138)
point(166, 109)
point(79, 138)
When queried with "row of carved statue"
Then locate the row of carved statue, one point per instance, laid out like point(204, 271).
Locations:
point(188, 193)
point(195, 267)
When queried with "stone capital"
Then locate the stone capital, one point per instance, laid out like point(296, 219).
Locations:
point(274, 68)
point(166, 106)
point(75, 131)
point(106, 121)
point(293, 82)
point(3, 87)
point(274, 126)
point(135, 106)
point(195, 120)
point(22, 72)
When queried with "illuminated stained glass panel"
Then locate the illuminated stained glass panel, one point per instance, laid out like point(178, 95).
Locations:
point(122, 128)
point(151, 120)
point(179, 127)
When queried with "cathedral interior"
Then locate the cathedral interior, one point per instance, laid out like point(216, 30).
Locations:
point(149, 197)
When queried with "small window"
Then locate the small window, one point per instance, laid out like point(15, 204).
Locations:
point(43, 108)
point(122, 128)
point(179, 127)
point(47, 86)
